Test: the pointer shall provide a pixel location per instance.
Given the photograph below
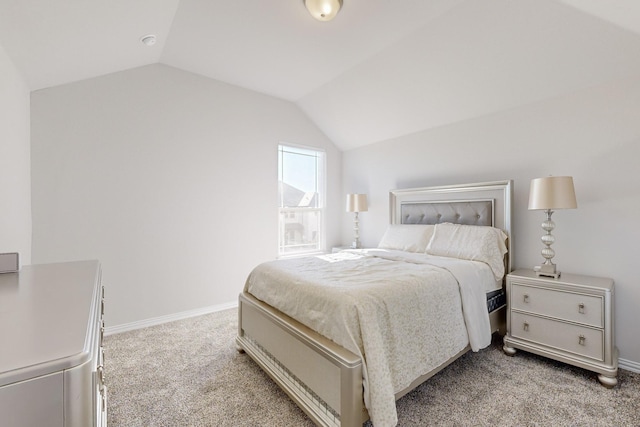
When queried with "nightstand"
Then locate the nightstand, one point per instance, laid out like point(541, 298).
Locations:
point(569, 319)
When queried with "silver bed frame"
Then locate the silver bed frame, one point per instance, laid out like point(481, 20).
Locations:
point(323, 378)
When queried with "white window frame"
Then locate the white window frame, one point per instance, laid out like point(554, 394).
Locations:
point(285, 250)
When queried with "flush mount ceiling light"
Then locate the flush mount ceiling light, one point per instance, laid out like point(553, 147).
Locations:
point(323, 10)
point(149, 40)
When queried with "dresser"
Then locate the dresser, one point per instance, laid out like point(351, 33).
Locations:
point(51, 355)
point(569, 319)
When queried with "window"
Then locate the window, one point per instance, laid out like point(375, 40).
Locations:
point(301, 183)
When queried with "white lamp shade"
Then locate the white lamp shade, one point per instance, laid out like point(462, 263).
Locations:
point(552, 192)
point(357, 203)
point(323, 10)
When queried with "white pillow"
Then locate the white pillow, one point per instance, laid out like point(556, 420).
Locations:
point(407, 237)
point(472, 242)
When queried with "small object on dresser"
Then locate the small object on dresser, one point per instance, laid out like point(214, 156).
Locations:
point(9, 262)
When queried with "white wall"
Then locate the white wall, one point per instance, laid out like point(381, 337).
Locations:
point(169, 179)
point(15, 180)
point(592, 135)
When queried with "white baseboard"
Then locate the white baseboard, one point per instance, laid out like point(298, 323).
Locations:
point(629, 365)
point(110, 330)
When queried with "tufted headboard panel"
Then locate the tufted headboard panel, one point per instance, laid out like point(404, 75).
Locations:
point(476, 212)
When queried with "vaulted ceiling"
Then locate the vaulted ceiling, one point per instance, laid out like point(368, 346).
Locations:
point(380, 70)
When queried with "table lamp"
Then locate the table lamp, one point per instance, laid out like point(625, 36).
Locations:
point(356, 203)
point(549, 193)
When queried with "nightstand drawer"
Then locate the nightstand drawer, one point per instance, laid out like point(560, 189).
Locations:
point(571, 306)
point(568, 337)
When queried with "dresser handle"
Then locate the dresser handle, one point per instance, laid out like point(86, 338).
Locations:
point(581, 308)
point(525, 326)
point(581, 340)
point(101, 375)
point(525, 298)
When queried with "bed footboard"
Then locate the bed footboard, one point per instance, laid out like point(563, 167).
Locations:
point(323, 378)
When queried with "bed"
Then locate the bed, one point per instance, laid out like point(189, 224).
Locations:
point(343, 373)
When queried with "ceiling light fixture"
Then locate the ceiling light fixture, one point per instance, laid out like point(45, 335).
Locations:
point(323, 10)
point(149, 40)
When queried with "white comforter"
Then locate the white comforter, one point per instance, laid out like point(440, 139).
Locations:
point(401, 312)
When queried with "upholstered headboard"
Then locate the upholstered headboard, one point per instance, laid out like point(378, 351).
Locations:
point(478, 212)
point(486, 203)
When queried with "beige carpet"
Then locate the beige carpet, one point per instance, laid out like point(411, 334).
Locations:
point(188, 373)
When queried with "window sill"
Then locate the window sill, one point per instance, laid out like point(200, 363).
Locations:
point(302, 255)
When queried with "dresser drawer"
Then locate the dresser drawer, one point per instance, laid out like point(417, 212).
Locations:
point(568, 337)
point(571, 306)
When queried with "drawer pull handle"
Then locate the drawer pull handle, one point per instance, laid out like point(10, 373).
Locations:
point(525, 298)
point(525, 326)
point(101, 375)
point(581, 308)
point(582, 339)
